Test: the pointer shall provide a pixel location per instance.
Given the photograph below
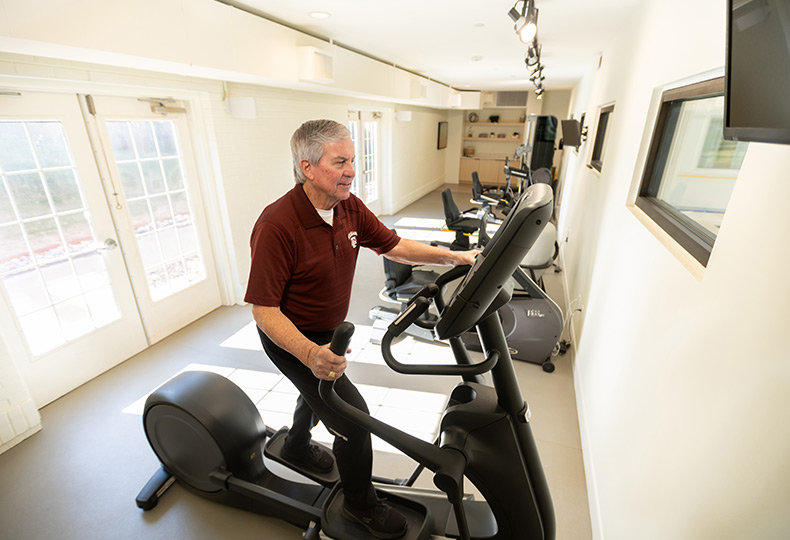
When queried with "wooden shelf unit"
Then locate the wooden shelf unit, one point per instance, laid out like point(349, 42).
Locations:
point(494, 139)
point(517, 124)
point(491, 170)
point(490, 152)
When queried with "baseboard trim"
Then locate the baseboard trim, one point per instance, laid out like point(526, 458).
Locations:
point(589, 467)
point(19, 438)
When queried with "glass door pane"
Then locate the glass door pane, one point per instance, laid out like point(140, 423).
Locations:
point(150, 167)
point(56, 279)
point(364, 127)
point(368, 163)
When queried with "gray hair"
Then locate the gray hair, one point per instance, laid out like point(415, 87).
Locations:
point(308, 142)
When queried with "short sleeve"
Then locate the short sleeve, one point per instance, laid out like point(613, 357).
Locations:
point(271, 265)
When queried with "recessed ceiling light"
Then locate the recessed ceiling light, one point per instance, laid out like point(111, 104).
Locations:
point(476, 58)
point(320, 14)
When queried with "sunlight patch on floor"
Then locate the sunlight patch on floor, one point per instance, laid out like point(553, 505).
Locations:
point(246, 338)
point(417, 413)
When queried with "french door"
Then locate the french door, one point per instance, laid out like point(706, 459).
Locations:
point(157, 210)
point(83, 285)
point(365, 128)
point(67, 292)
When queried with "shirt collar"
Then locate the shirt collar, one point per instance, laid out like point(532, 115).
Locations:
point(306, 211)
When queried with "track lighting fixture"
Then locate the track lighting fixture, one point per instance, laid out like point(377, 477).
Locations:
point(526, 20)
point(526, 26)
point(532, 57)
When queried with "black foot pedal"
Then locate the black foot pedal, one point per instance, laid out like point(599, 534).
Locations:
point(274, 451)
point(419, 521)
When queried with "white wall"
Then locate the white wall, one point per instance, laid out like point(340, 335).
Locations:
point(556, 103)
point(682, 373)
point(416, 162)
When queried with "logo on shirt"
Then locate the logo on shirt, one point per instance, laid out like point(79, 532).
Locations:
point(352, 237)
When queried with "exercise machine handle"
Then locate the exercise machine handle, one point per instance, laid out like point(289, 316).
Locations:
point(448, 464)
point(419, 306)
point(429, 290)
point(447, 277)
point(341, 338)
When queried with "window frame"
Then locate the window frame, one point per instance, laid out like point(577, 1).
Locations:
point(696, 240)
point(596, 157)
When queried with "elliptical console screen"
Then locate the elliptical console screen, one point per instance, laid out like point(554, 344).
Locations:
point(497, 262)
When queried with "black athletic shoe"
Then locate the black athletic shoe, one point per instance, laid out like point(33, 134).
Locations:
point(314, 457)
point(381, 520)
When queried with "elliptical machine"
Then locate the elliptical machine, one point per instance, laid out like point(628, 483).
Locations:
point(532, 321)
point(209, 436)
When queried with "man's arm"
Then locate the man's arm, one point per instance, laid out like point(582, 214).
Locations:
point(412, 252)
point(282, 332)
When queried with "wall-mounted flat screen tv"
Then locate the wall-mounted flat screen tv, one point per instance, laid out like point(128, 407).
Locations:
point(757, 71)
point(571, 133)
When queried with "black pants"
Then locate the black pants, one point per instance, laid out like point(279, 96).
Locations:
point(352, 447)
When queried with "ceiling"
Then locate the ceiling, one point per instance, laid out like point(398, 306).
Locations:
point(466, 44)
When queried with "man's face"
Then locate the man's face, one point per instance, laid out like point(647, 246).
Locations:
point(331, 177)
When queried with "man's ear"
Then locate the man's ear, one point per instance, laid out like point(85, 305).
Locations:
point(307, 168)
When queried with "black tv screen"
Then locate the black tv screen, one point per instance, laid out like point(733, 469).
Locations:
point(757, 71)
point(571, 133)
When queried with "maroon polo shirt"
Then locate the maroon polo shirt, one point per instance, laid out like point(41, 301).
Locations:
point(305, 267)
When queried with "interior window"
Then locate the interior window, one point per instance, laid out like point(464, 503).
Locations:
point(691, 169)
point(596, 162)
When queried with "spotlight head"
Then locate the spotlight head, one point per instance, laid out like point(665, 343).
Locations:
point(527, 25)
point(532, 59)
point(514, 13)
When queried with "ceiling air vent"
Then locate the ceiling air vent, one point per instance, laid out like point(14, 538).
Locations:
point(511, 99)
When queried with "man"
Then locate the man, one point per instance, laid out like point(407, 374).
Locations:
point(304, 252)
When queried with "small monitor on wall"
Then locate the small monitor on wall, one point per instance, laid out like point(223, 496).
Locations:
point(757, 71)
point(571, 133)
point(442, 141)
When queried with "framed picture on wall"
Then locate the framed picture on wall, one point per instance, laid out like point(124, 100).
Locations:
point(442, 142)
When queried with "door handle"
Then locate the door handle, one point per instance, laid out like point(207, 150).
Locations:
point(108, 245)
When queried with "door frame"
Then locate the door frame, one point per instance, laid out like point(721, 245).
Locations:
point(383, 153)
point(163, 316)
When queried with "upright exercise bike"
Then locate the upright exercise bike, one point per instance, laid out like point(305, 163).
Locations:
point(209, 436)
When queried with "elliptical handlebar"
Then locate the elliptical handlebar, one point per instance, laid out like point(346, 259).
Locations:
point(442, 461)
point(447, 277)
point(341, 338)
point(418, 305)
